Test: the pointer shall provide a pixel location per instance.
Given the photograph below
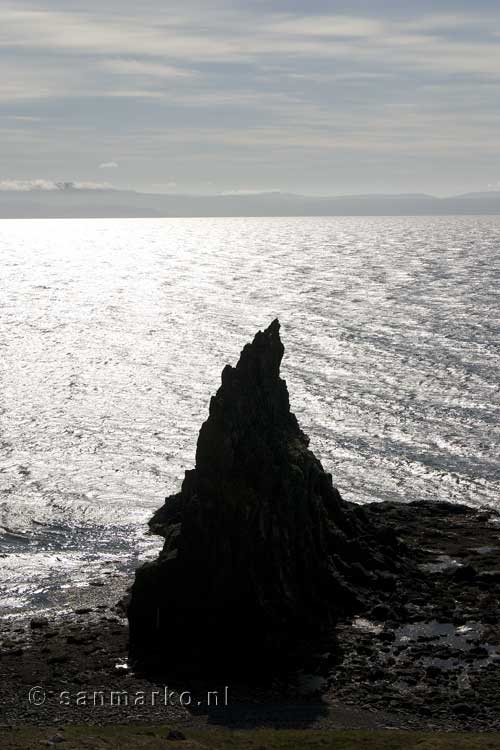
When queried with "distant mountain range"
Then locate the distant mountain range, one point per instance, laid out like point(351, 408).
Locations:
point(69, 202)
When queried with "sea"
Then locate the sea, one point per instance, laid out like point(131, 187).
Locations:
point(113, 335)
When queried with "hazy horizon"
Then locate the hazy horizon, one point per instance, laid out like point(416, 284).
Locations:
point(68, 200)
point(42, 186)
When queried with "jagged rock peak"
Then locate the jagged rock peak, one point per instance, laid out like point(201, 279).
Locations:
point(250, 413)
point(262, 358)
point(259, 545)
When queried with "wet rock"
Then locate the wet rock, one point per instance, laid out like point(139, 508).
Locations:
point(381, 612)
point(434, 671)
point(491, 618)
point(387, 636)
point(37, 623)
point(490, 577)
point(464, 573)
point(80, 638)
point(57, 739)
point(260, 549)
point(58, 659)
point(463, 709)
point(122, 604)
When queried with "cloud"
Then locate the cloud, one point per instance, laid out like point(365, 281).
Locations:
point(26, 186)
point(22, 118)
point(164, 54)
point(145, 69)
point(330, 25)
point(113, 34)
point(228, 88)
point(166, 45)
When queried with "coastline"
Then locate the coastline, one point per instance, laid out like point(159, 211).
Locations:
point(425, 668)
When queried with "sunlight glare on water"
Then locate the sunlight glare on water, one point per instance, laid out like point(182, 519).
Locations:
point(114, 334)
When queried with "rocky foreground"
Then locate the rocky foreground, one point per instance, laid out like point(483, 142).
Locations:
point(297, 608)
point(433, 663)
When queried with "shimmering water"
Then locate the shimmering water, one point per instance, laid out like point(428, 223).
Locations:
point(114, 333)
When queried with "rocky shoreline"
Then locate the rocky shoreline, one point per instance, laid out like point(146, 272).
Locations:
point(274, 601)
point(432, 664)
point(439, 657)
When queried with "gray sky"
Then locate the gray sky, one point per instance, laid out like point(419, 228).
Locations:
point(223, 96)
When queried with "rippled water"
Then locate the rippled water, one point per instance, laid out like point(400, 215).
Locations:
point(114, 333)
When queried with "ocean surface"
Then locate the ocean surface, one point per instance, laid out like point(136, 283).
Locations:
point(113, 334)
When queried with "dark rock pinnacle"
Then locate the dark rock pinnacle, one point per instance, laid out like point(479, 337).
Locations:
point(260, 548)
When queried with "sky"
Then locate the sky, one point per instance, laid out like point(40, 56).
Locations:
point(304, 96)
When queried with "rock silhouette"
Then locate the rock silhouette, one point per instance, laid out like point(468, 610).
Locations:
point(260, 549)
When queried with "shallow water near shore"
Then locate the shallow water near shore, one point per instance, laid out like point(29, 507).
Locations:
point(114, 333)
